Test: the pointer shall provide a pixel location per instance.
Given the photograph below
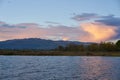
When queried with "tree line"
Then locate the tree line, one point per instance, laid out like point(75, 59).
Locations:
point(103, 46)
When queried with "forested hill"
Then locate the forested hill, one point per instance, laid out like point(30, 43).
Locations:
point(35, 43)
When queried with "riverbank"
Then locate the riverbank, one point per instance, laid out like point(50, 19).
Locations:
point(57, 53)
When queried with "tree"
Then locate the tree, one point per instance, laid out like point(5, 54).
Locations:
point(107, 46)
point(72, 47)
point(118, 43)
point(60, 48)
point(93, 47)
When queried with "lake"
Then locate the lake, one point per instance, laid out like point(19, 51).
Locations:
point(59, 68)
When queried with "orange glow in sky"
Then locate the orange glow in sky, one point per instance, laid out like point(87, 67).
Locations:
point(98, 32)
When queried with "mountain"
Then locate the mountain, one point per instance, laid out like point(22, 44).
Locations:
point(35, 43)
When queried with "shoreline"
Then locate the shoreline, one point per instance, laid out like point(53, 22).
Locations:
point(57, 53)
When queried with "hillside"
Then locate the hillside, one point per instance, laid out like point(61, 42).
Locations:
point(35, 43)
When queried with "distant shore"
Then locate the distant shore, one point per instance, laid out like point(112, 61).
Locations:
point(57, 53)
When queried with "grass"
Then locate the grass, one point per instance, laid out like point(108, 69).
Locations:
point(57, 53)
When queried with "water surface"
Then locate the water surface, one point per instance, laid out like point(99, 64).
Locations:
point(59, 68)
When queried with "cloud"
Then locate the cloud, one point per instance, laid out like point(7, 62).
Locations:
point(32, 30)
point(103, 28)
point(97, 32)
point(92, 32)
point(109, 20)
point(50, 22)
point(85, 16)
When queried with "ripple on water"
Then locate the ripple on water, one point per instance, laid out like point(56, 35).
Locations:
point(59, 68)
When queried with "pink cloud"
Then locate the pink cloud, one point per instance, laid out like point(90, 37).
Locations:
point(97, 32)
point(91, 32)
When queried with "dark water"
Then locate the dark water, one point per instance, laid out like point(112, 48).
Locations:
point(59, 68)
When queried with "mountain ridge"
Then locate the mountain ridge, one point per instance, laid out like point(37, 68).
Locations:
point(36, 43)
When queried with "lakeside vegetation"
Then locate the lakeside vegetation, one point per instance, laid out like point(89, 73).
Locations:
point(95, 49)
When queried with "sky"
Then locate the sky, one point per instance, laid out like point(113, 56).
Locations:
point(76, 20)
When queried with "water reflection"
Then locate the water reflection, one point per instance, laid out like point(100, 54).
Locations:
point(96, 68)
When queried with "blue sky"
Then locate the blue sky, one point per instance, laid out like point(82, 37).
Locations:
point(79, 20)
point(40, 11)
